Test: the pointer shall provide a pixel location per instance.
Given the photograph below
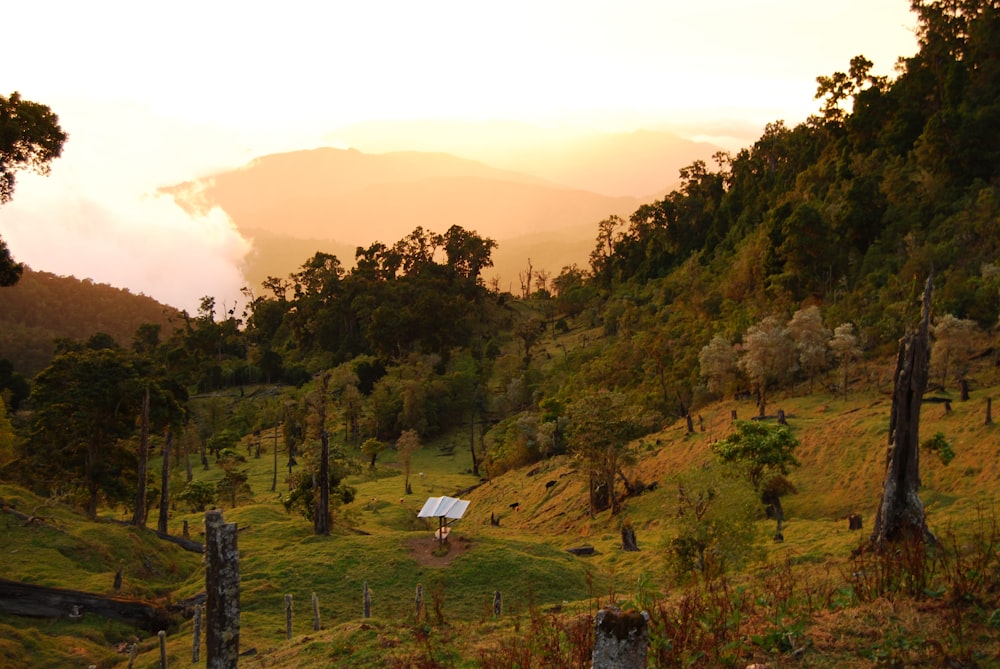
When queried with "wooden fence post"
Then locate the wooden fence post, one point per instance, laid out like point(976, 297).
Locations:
point(163, 649)
point(288, 616)
point(222, 587)
point(497, 603)
point(621, 640)
point(367, 612)
point(196, 644)
point(419, 599)
point(315, 612)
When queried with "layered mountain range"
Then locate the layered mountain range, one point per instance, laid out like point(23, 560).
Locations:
point(541, 207)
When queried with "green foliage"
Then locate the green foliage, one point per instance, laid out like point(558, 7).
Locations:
point(939, 445)
point(715, 514)
point(197, 494)
point(759, 451)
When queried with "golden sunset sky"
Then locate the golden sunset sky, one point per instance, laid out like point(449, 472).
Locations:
point(153, 94)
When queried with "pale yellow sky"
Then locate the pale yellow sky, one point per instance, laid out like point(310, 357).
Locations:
point(156, 94)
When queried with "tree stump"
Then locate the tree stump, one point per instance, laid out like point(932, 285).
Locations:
point(628, 539)
point(222, 588)
point(854, 521)
point(621, 639)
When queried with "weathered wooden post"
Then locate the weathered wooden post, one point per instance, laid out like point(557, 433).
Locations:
point(989, 410)
point(119, 575)
point(732, 415)
point(133, 648)
point(367, 612)
point(781, 417)
point(621, 640)
point(222, 586)
point(315, 612)
point(185, 532)
point(419, 599)
point(288, 616)
point(196, 643)
point(497, 603)
point(163, 649)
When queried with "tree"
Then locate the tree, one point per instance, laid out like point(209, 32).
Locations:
point(407, 444)
point(717, 361)
point(30, 139)
point(715, 522)
point(811, 338)
point(765, 456)
point(768, 356)
point(846, 349)
point(952, 343)
point(321, 518)
point(371, 448)
point(900, 515)
point(600, 427)
point(86, 402)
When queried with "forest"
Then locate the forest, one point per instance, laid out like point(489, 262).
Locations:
point(790, 268)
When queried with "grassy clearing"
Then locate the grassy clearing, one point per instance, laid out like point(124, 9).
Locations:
point(800, 606)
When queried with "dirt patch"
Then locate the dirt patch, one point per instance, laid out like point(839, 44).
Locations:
point(425, 550)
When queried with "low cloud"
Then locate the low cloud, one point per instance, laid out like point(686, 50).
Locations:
point(98, 215)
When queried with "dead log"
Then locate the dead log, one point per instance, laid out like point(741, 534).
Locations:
point(37, 601)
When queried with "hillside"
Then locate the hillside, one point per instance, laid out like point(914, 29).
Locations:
point(43, 307)
point(524, 557)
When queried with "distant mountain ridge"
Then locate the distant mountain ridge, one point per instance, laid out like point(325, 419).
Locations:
point(42, 307)
point(345, 198)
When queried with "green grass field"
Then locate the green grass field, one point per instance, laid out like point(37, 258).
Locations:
point(378, 541)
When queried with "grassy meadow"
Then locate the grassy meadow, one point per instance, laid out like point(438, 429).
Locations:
point(808, 601)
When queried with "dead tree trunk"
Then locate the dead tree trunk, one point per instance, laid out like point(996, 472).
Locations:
point(222, 588)
point(900, 516)
point(321, 522)
point(139, 515)
point(161, 522)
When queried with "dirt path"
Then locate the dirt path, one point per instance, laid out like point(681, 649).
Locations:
point(422, 550)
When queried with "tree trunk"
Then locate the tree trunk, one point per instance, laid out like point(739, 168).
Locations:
point(628, 539)
point(274, 479)
point(321, 522)
point(472, 444)
point(222, 587)
point(139, 514)
point(963, 387)
point(900, 516)
point(161, 522)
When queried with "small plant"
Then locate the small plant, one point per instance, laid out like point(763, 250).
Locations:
point(938, 444)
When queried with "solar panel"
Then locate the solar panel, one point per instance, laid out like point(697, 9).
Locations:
point(446, 507)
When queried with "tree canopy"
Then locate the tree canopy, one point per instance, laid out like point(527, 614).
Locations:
point(30, 139)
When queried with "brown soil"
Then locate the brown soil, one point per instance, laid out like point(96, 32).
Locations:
point(423, 549)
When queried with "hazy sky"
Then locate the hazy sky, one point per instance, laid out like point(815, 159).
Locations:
point(154, 94)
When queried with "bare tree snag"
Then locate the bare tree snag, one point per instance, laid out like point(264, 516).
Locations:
point(161, 522)
point(139, 514)
point(222, 586)
point(900, 516)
